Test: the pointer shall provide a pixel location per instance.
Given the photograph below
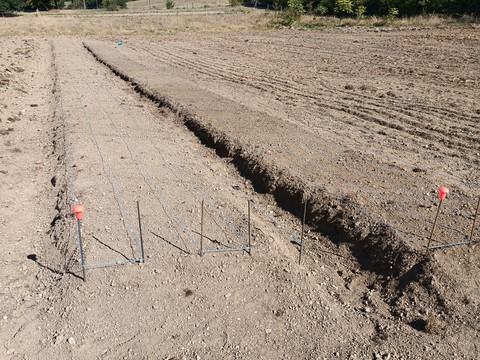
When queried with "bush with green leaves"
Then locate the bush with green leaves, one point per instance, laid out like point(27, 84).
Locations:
point(343, 7)
point(360, 12)
point(361, 8)
point(392, 13)
point(169, 4)
point(293, 12)
point(320, 10)
point(295, 7)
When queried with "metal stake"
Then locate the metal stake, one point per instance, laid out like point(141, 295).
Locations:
point(249, 232)
point(140, 230)
point(433, 228)
point(303, 231)
point(201, 233)
point(475, 219)
point(80, 245)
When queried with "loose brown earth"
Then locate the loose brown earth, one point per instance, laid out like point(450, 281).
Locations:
point(364, 125)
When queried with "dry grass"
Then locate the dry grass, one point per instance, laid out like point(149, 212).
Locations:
point(434, 325)
point(126, 23)
point(156, 5)
point(198, 16)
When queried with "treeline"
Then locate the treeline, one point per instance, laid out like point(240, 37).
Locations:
point(7, 6)
point(360, 8)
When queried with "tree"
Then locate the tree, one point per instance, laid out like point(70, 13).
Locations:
point(9, 6)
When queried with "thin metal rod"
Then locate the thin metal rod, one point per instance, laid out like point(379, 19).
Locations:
point(224, 250)
point(449, 245)
point(140, 230)
point(433, 227)
point(249, 231)
point(80, 245)
point(201, 232)
point(112, 263)
point(303, 231)
point(475, 219)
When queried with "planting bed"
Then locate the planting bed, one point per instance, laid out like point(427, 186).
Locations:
point(363, 125)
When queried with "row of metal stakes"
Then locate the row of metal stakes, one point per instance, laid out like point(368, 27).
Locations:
point(80, 209)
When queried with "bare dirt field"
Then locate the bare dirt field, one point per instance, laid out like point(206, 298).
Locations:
point(362, 124)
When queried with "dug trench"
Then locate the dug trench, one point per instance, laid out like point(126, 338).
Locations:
point(60, 229)
point(403, 275)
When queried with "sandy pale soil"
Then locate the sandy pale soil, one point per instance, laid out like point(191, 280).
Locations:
point(369, 122)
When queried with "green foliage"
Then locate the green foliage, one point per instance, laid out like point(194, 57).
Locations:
point(392, 13)
point(320, 10)
point(360, 11)
point(169, 4)
point(291, 14)
point(343, 7)
point(279, 5)
point(113, 5)
point(295, 7)
point(39, 4)
point(76, 4)
point(361, 8)
point(9, 6)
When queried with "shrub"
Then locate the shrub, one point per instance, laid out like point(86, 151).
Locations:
point(295, 8)
point(111, 5)
point(392, 13)
point(360, 12)
point(169, 4)
point(320, 10)
point(343, 7)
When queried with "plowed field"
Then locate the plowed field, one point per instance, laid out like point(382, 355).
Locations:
point(362, 125)
point(381, 119)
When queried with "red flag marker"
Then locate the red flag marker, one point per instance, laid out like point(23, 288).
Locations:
point(78, 210)
point(442, 193)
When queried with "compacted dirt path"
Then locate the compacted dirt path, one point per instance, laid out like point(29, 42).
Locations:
point(107, 147)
